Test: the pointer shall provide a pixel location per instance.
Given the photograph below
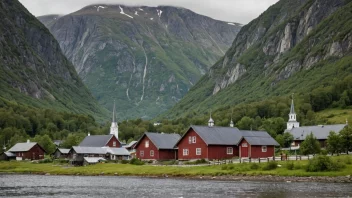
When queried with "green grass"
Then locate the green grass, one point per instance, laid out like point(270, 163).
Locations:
point(335, 116)
point(176, 171)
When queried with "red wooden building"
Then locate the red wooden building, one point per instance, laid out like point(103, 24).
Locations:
point(100, 141)
point(157, 146)
point(28, 150)
point(212, 142)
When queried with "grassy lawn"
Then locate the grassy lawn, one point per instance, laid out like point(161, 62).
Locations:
point(148, 170)
point(335, 116)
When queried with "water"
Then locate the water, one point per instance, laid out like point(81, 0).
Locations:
point(81, 186)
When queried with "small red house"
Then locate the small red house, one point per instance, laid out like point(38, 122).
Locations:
point(28, 150)
point(256, 144)
point(157, 146)
point(209, 142)
point(100, 141)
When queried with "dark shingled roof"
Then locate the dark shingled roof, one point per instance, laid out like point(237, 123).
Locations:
point(261, 138)
point(321, 132)
point(22, 147)
point(95, 141)
point(89, 150)
point(218, 135)
point(162, 140)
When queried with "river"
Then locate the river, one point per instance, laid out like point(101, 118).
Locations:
point(106, 186)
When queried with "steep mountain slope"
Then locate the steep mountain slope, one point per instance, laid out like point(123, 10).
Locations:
point(295, 46)
point(33, 70)
point(145, 57)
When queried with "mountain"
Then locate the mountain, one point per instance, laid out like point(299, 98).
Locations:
point(34, 71)
point(147, 58)
point(301, 47)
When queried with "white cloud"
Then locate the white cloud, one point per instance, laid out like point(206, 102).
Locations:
point(242, 11)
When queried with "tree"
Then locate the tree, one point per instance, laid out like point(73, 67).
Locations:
point(310, 145)
point(333, 143)
point(288, 138)
point(71, 140)
point(46, 143)
point(280, 139)
point(346, 139)
point(245, 123)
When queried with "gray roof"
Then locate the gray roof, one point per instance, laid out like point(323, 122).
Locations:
point(321, 132)
point(64, 151)
point(218, 135)
point(9, 154)
point(22, 147)
point(95, 141)
point(89, 150)
point(259, 138)
point(130, 144)
point(292, 109)
point(117, 151)
point(58, 142)
point(163, 140)
point(93, 159)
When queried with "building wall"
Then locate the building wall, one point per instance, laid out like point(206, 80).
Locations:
point(141, 147)
point(184, 144)
point(167, 154)
point(111, 142)
point(256, 152)
point(35, 153)
point(244, 151)
point(220, 152)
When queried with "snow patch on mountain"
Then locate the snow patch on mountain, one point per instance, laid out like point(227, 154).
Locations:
point(159, 12)
point(122, 12)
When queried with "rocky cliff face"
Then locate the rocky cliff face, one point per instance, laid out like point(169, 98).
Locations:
point(146, 58)
point(274, 53)
point(33, 69)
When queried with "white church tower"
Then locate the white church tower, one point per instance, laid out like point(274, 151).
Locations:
point(211, 121)
point(292, 121)
point(114, 129)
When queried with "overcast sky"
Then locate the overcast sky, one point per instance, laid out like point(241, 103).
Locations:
point(242, 11)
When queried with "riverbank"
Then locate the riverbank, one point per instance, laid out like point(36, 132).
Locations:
point(234, 172)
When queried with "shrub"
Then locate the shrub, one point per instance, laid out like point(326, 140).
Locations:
point(199, 161)
point(124, 161)
point(323, 163)
point(348, 160)
point(136, 161)
point(324, 152)
point(290, 165)
point(61, 161)
point(46, 160)
point(270, 165)
point(254, 166)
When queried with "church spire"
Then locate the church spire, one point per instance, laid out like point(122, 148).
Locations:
point(292, 110)
point(113, 113)
point(211, 121)
point(114, 129)
point(231, 122)
point(292, 121)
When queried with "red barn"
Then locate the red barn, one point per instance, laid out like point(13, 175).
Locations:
point(257, 144)
point(209, 142)
point(28, 150)
point(157, 146)
point(100, 141)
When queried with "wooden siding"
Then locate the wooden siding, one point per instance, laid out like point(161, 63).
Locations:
point(244, 151)
point(167, 154)
point(35, 153)
point(184, 144)
point(111, 142)
point(141, 147)
point(220, 152)
point(256, 151)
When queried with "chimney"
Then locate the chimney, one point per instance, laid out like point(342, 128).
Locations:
point(28, 141)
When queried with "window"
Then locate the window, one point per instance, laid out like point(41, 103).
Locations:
point(141, 153)
point(185, 152)
point(190, 140)
point(198, 151)
point(147, 144)
point(244, 145)
point(264, 149)
point(114, 144)
point(151, 153)
point(194, 139)
point(229, 150)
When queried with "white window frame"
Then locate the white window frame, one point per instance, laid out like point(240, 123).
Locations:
point(151, 153)
point(114, 143)
point(141, 153)
point(229, 150)
point(194, 139)
point(146, 144)
point(185, 152)
point(264, 149)
point(190, 140)
point(244, 144)
point(198, 151)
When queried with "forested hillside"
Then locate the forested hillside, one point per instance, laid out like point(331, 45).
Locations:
point(33, 70)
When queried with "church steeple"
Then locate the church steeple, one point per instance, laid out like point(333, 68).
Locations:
point(231, 122)
point(114, 129)
point(292, 117)
point(211, 121)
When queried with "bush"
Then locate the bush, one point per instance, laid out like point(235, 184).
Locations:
point(46, 160)
point(254, 166)
point(199, 161)
point(348, 160)
point(270, 165)
point(136, 161)
point(290, 165)
point(323, 163)
point(324, 152)
point(61, 161)
point(124, 161)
